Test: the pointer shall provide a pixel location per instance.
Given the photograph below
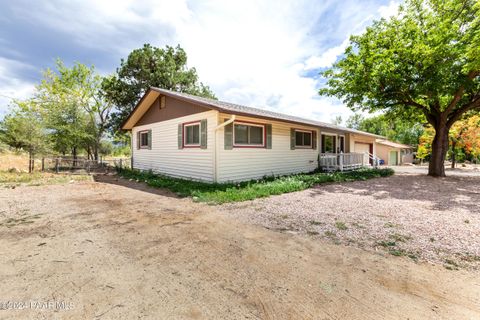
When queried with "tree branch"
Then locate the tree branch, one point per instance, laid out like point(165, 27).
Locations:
point(458, 95)
point(475, 104)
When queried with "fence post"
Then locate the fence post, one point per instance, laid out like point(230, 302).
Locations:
point(43, 164)
point(56, 165)
point(120, 164)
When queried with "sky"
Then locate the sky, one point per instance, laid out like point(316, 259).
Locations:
point(260, 53)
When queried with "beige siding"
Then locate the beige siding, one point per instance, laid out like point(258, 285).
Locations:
point(166, 158)
point(361, 139)
point(241, 164)
point(383, 153)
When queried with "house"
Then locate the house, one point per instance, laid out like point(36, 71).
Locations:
point(186, 136)
point(393, 153)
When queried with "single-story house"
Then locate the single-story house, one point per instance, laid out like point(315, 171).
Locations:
point(187, 136)
point(393, 153)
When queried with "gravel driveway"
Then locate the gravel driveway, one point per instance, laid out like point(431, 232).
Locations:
point(424, 218)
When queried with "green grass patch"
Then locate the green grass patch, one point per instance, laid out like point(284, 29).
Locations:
point(387, 244)
point(400, 237)
point(216, 193)
point(341, 225)
point(10, 179)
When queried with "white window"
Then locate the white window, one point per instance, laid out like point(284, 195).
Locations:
point(248, 135)
point(303, 139)
point(143, 141)
point(191, 134)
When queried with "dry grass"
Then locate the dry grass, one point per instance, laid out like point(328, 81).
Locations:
point(12, 160)
point(13, 179)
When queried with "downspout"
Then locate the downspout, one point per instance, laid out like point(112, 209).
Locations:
point(215, 153)
point(131, 149)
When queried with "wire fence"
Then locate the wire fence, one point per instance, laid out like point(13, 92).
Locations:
point(83, 165)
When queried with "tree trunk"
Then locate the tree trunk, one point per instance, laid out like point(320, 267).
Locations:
point(95, 151)
point(436, 167)
point(30, 169)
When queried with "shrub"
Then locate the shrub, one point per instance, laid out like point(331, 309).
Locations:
point(216, 193)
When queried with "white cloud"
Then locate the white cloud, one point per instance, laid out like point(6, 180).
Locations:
point(327, 58)
point(390, 10)
point(249, 52)
point(11, 86)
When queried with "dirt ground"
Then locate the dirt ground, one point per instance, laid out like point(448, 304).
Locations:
point(115, 249)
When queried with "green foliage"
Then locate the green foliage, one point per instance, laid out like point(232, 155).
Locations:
point(23, 129)
point(73, 107)
point(150, 67)
point(393, 128)
point(464, 140)
point(422, 63)
point(215, 193)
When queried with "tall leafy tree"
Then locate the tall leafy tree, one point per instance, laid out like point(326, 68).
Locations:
point(396, 129)
point(464, 140)
point(74, 108)
point(23, 128)
point(424, 62)
point(146, 67)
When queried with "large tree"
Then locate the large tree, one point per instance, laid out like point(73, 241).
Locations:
point(425, 61)
point(464, 137)
point(74, 108)
point(150, 67)
point(23, 129)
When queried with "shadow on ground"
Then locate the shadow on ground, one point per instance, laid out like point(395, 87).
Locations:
point(137, 185)
point(448, 193)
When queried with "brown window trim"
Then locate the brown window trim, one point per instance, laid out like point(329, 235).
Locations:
point(188, 124)
point(140, 142)
point(311, 138)
point(253, 146)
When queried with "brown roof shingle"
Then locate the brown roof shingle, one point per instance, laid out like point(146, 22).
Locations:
point(228, 107)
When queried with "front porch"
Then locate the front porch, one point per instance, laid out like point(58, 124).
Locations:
point(345, 161)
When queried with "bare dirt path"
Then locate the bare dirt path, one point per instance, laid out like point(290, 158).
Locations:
point(119, 250)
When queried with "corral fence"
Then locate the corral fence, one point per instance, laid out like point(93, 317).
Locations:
point(83, 165)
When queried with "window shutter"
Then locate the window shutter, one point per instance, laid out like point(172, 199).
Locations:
point(323, 143)
point(314, 139)
point(138, 140)
point(269, 136)
point(292, 139)
point(228, 137)
point(180, 136)
point(150, 139)
point(203, 134)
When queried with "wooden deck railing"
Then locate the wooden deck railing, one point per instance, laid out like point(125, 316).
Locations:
point(341, 161)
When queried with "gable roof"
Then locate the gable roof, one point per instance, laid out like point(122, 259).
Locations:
point(232, 108)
